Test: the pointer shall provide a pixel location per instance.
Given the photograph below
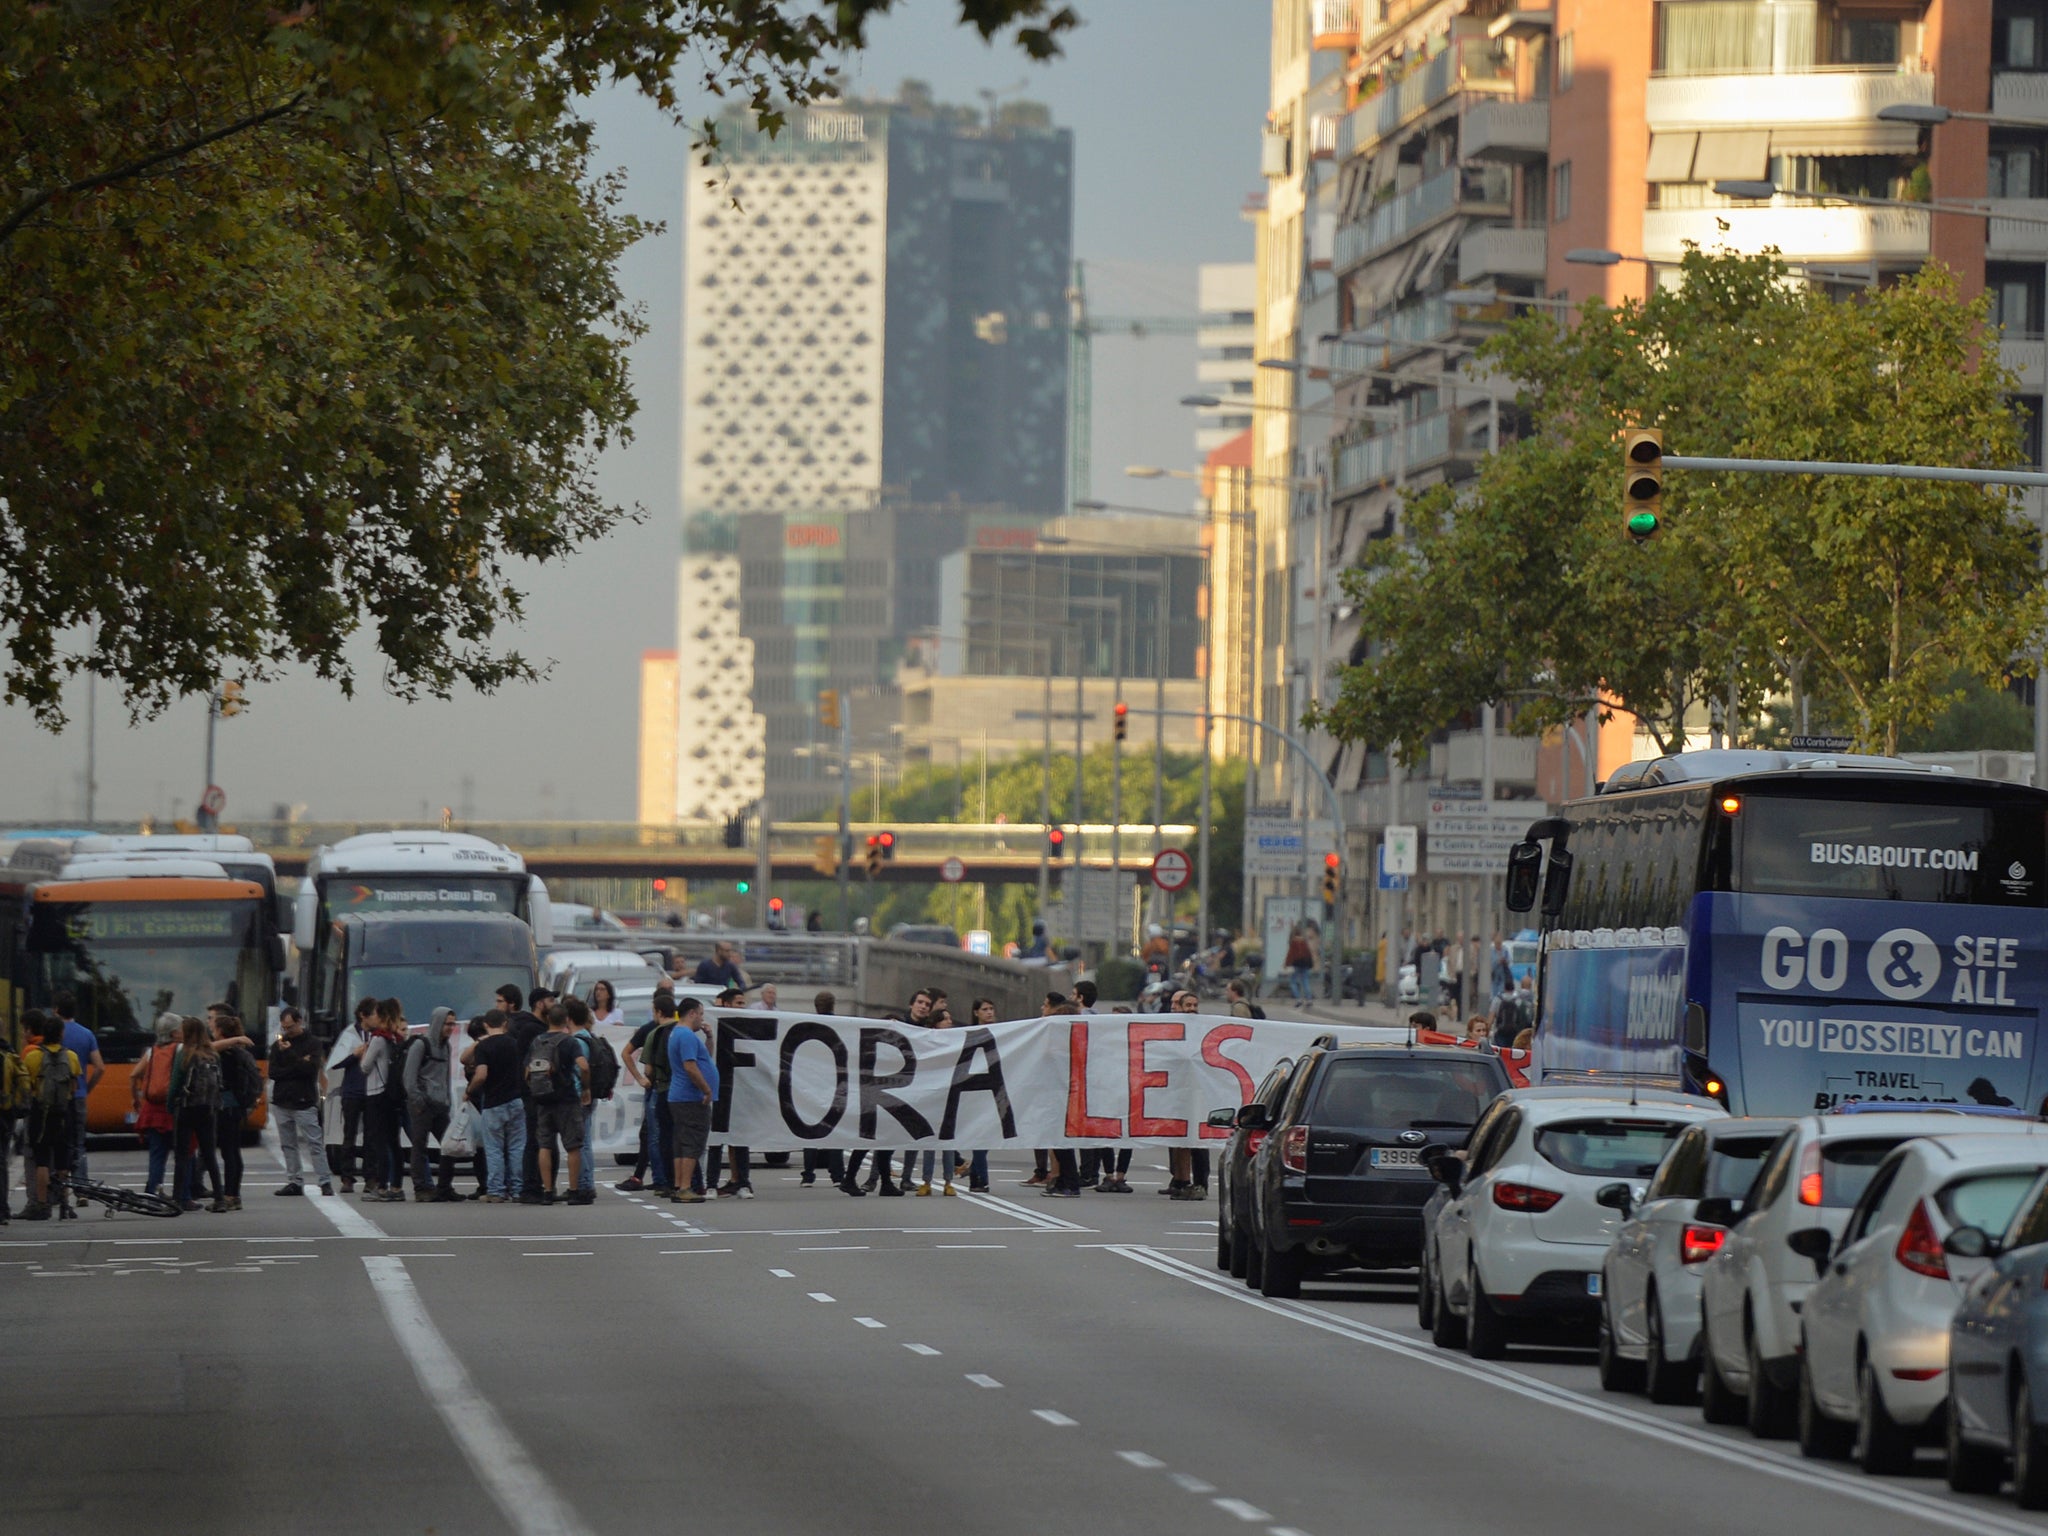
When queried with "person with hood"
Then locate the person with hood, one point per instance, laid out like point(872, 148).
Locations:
point(427, 1082)
point(346, 1058)
point(1036, 949)
point(523, 1024)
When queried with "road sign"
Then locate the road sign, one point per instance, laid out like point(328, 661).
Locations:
point(214, 801)
point(1390, 882)
point(952, 871)
point(980, 942)
point(1472, 837)
point(1400, 849)
point(1172, 870)
point(1272, 844)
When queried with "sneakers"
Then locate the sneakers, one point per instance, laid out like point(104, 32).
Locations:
point(632, 1184)
point(847, 1186)
point(1172, 1190)
point(728, 1189)
point(948, 1190)
point(39, 1212)
point(218, 1207)
point(808, 1180)
point(745, 1191)
point(580, 1197)
point(924, 1188)
point(687, 1197)
point(977, 1189)
point(492, 1199)
point(348, 1183)
point(1192, 1192)
point(293, 1188)
point(234, 1202)
point(531, 1197)
point(187, 1206)
point(1115, 1187)
point(889, 1188)
point(1034, 1181)
point(325, 1189)
point(1054, 1192)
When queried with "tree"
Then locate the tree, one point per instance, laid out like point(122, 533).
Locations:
point(1522, 586)
point(309, 322)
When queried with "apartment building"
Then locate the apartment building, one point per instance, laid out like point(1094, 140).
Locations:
point(1227, 338)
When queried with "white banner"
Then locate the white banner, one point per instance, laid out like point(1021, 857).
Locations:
point(792, 1080)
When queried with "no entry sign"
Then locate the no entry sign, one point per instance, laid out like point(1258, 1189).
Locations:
point(1172, 870)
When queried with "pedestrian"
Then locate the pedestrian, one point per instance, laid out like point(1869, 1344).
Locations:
point(692, 1090)
point(241, 1091)
point(1240, 1002)
point(558, 1082)
point(1187, 1167)
point(722, 969)
point(52, 1070)
point(81, 1042)
point(1429, 977)
point(195, 1102)
point(739, 1185)
point(383, 1101)
point(829, 1161)
point(601, 1081)
point(766, 1002)
point(13, 1105)
point(1454, 975)
point(1298, 962)
point(346, 1057)
point(428, 1099)
point(496, 1089)
point(1478, 1031)
point(1503, 969)
point(980, 1014)
point(814, 921)
point(149, 1087)
point(524, 1024)
point(298, 1081)
point(645, 1061)
point(604, 1005)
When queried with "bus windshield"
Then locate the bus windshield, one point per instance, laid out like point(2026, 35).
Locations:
point(129, 961)
point(1877, 850)
point(468, 989)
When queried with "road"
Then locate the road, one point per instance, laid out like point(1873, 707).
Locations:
point(808, 1363)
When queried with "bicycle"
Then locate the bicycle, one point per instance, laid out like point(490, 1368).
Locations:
point(134, 1201)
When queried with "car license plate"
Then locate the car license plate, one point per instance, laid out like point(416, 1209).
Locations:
point(1397, 1157)
point(1592, 1285)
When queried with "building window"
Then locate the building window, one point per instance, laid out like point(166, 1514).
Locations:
point(1868, 43)
point(1561, 191)
point(1734, 37)
point(2017, 30)
point(1565, 66)
point(2015, 289)
point(2015, 165)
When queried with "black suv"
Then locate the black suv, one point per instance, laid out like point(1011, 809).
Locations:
point(1339, 1183)
point(1233, 1166)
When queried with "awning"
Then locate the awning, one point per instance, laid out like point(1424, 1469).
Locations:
point(1427, 256)
point(1846, 139)
point(1740, 155)
point(1670, 157)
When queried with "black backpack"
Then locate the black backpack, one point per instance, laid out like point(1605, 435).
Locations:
point(244, 1079)
point(655, 1055)
point(604, 1066)
point(201, 1088)
point(543, 1075)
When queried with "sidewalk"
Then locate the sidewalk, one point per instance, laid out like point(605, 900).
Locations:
point(1324, 1012)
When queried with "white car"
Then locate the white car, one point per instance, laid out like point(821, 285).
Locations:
point(572, 971)
point(1751, 1291)
point(1650, 1294)
point(1873, 1366)
point(1521, 1236)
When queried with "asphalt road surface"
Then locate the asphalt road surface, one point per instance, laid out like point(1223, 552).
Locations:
point(804, 1363)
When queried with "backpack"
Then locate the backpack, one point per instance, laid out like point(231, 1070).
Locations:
point(544, 1071)
point(202, 1086)
point(58, 1083)
point(13, 1084)
point(156, 1081)
point(604, 1066)
point(242, 1077)
point(655, 1054)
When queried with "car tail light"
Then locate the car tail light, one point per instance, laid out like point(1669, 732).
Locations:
point(1294, 1149)
point(1699, 1244)
point(1253, 1140)
point(1810, 1174)
point(1919, 1249)
point(1524, 1197)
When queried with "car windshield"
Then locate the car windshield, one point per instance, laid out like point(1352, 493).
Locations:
point(468, 989)
point(1986, 1201)
point(1733, 1163)
point(1403, 1095)
point(1607, 1148)
point(1846, 1169)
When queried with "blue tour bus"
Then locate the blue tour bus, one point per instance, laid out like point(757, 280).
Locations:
point(1790, 932)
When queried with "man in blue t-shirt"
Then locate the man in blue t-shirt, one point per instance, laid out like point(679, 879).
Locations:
point(692, 1090)
point(80, 1042)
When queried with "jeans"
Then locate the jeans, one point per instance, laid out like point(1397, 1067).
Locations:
point(1297, 983)
point(977, 1168)
point(654, 1142)
point(505, 1148)
point(381, 1165)
point(199, 1125)
point(298, 1131)
point(742, 1166)
point(159, 1143)
point(351, 1136)
point(78, 1140)
point(426, 1118)
point(831, 1163)
point(227, 1134)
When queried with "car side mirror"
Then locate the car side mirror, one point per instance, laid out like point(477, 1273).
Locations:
point(1716, 1211)
point(1223, 1119)
point(1616, 1197)
point(1447, 1170)
point(1254, 1117)
point(1970, 1243)
point(1814, 1243)
point(1525, 873)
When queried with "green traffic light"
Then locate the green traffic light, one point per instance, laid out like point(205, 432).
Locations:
point(1642, 525)
point(745, 886)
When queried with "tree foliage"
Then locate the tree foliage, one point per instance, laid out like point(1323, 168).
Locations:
point(1859, 596)
point(308, 316)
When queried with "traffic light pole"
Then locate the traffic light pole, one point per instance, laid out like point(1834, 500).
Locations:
point(764, 867)
point(845, 824)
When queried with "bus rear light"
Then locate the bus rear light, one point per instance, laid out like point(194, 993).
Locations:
point(1699, 1244)
point(1919, 1249)
point(1810, 1180)
point(1525, 1197)
point(1294, 1149)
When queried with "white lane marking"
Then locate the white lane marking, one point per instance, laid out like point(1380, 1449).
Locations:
point(783, 1274)
point(554, 1253)
point(1239, 1508)
point(983, 1381)
point(671, 1252)
point(920, 1349)
point(870, 1322)
point(1191, 1483)
point(154, 1242)
point(516, 1484)
point(836, 1248)
point(1037, 1219)
point(962, 1247)
point(1054, 1417)
point(820, 1296)
point(347, 1220)
point(1140, 1460)
point(1738, 1453)
point(1284, 1530)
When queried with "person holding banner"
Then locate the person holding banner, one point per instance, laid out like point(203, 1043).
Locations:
point(692, 1090)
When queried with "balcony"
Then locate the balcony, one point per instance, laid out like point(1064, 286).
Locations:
point(2022, 355)
point(1475, 64)
point(2011, 237)
point(1498, 251)
point(1322, 135)
point(2019, 93)
point(1802, 233)
point(1333, 24)
point(1389, 456)
point(1470, 189)
point(1822, 96)
point(1506, 131)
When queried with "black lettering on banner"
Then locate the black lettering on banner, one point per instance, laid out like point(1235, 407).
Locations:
point(989, 1080)
point(799, 1035)
point(874, 1092)
point(736, 1026)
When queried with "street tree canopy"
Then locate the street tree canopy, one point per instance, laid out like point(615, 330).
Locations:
point(1864, 601)
point(308, 317)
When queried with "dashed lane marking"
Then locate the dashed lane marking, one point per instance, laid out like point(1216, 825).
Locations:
point(783, 1274)
point(1054, 1417)
point(1140, 1460)
point(870, 1322)
point(836, 1248)
point(960, 1247)
point(1239, 1508)
point(672, 1252)
point(1191, 1483)
point(559, 1253)
point(920, 1349)
point(983, 1381)
point(820, 1296)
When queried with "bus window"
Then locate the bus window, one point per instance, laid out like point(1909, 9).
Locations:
point(1877, 850)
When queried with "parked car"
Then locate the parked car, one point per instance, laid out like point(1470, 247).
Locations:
point(1340, 1181)
point(1249, 1125)
point(1521, 1235)
point(573, 971)
point(1650, 1285)
point(925, 933)
point(1874, 1333)
point(1752, 1290)
point(1998, 1357)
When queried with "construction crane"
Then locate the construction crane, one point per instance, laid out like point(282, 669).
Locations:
point(1083, 329)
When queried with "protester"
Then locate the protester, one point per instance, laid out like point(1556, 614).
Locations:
point(692, 1090)
point(195, 1101)
point(149, 1086)
point(740, 1185)
point(525, 1025)
point(1240, 1002)
point(347, 1056)
point(831, 1163)
point(81, 1042)
point(558, 1082)
point(497, 1090)
point(1478, 1031)
point(601, 1081)
point(646, 1062)
point(383, 1100)
point(722, 969)
point(428, 1100)
point(604, 1005)
point(52, 1071)
point(1187, 1167)
point(298, 1080)
point(766, 1002)
point(241, 1092)
point(13, 1104)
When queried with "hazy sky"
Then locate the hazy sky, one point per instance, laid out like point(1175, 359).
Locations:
point(1165, 98)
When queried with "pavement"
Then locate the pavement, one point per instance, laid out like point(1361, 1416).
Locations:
point(808, 1363)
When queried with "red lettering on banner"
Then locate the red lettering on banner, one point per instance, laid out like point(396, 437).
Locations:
point(1212, 1053)
point(1140, 1036)
point(811, 536)
point(1079, 1122)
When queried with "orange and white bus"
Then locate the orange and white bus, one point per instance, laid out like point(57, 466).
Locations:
point(132, 935)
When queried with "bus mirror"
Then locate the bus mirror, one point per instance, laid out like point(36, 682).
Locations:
point(1557, 883)
point(305, 917)
point(283, 954)
point(1696, 1029)
point(1525, 868)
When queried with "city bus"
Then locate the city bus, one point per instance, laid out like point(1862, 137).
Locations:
point(1789, 933)
point(131, 937)
point(405, 871)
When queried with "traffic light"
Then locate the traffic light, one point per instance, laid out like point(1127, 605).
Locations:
point(887, 841)
point(736, 831)
point(774, 911)
point(1055, 841)
point(828, 708)
point(874, 855)
point(1642, 489)
point(824, 855)
point(743, 886)
point(1331, 865)
point(231, 699)
point(1123, 720)
point(660, 886)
